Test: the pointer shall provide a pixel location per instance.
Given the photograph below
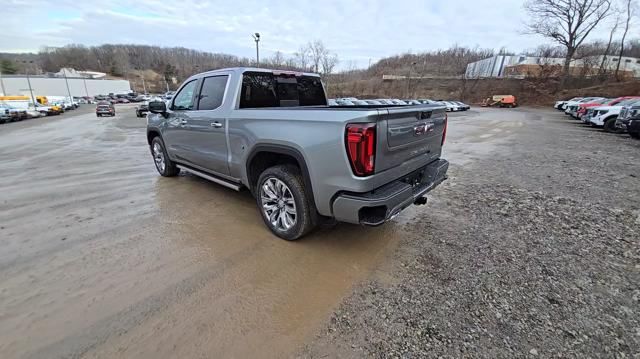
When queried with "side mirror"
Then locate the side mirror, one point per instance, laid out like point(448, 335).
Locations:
point(157, 107)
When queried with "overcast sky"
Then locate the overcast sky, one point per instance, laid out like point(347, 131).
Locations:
point(356, 30)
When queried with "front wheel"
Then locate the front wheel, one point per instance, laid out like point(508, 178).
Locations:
point(284, 203)
point(164, 165)
point(635, 135)
point(610, 126)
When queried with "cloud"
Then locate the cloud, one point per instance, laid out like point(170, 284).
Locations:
point(357, 31)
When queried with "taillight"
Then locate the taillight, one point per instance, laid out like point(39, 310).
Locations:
point(361, 147)
point(444, 132)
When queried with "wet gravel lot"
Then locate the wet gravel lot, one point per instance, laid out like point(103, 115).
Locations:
point(532, 251)
point(530, 248)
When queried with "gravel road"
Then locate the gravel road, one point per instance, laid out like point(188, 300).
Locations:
point(529, 248)
point(532, 251)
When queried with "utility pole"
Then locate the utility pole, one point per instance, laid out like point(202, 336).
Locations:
point(64, 72)
point(86, 91)
point(4, 93)
point(144, 86)
point(166, 83)
point(256, 37)
point(31, 89)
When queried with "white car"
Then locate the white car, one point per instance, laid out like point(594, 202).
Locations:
point(605, 116)
point(451, 107)
point(560, 105)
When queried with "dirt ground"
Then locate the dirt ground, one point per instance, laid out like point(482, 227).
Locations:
point(100, 257)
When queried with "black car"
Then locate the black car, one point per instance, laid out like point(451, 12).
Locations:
point(142, 109)
point(633, 126)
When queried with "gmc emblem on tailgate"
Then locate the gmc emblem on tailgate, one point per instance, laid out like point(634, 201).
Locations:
point(422, 128)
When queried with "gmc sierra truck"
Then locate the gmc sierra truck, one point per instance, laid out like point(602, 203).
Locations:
point(271, 132)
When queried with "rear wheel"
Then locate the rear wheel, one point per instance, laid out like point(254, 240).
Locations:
point(283, 202)
point(635, 135)
point(164, 165)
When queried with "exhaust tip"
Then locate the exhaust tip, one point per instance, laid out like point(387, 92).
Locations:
point(420, 201)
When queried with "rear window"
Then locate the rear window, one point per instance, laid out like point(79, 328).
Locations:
point(264, 89)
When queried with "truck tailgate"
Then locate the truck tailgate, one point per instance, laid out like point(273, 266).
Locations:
point(408, 132)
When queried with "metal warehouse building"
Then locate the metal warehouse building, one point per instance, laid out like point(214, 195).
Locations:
point(55, 86)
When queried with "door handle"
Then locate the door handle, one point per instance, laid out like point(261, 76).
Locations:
point(216, 124)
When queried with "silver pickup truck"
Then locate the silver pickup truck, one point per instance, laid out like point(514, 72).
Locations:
point(272, 132)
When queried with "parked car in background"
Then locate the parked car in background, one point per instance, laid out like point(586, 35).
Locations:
point(374, 102)
point(332, 102)
point(572, 108)
point(582, 107)
point(16, 114)
point(626, 114)
point(169, 95)
point(342, 102)
point(105, 108)
point(385, 101)
point(605, 116)
point(463, 106)
point(142, 109)
point(451, 107)
point(360, 102)
point(633, 126)
point(5, 116)
point(560, 105)
point(398, 101)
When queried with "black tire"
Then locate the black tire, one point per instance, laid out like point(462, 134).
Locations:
point(610, 126)
point(169, 169)
point(635, 135)
point(138, 114)
point(98, 115)
point(305, 213)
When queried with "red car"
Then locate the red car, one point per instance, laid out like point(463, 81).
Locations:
point(582, 108)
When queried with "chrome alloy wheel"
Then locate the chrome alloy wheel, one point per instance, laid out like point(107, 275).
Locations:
point(278, 204)
point(158, 157)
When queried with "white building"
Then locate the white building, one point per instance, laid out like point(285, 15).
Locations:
point(496, 66)
point(69, 72)
point(56, 86)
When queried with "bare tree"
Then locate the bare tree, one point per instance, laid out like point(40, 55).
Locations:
point(277, 59)
point(329, 62)
point(629, 13)
point(567, 22)
point(302, 57)
point(614, 28)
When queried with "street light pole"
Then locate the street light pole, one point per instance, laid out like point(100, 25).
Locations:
point(256, 37)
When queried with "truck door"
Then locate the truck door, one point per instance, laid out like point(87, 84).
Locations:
point(207, 126)
point(175, 135)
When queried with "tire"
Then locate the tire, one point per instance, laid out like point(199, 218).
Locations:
point(98, 115)
point(635, 135)
point(610, 126)
point(138, 114)
point(164, 165)
point(291, 209)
